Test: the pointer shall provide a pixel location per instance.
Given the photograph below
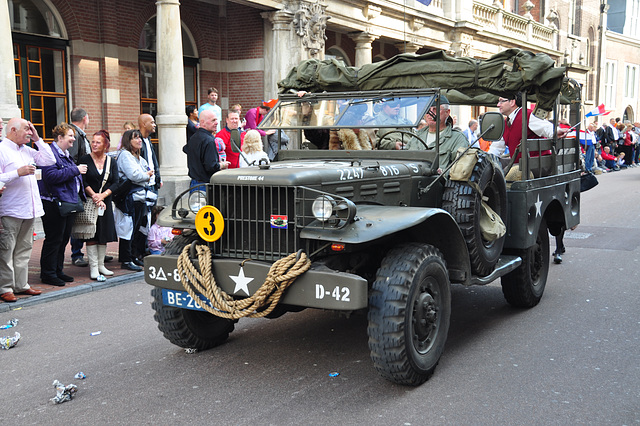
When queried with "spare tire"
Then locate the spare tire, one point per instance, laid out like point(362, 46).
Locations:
point(463, 203)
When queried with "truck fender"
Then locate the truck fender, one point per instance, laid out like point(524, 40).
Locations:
point(430, 225)
point(441, 231)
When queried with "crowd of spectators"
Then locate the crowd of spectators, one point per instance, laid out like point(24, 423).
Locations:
point(72, 177)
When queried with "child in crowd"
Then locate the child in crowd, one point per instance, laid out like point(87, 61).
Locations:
point(220, 146)
point(252, 149)
point(620, 160)
point(158, 236)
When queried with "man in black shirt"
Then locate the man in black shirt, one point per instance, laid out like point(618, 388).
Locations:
point(202, 155)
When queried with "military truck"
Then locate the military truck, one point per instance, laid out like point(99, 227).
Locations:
point(386, 232)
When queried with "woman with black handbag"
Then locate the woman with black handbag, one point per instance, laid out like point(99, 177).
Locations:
point(131, 206)
point(101, 180)
point(62, 194)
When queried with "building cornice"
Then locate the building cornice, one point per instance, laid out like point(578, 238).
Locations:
point(613, 36)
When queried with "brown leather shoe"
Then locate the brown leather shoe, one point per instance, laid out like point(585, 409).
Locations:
point(8, 297)
point(31, 292)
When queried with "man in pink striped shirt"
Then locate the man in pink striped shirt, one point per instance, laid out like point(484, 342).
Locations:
point(19, 205)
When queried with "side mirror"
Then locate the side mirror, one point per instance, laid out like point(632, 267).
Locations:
point(492, 126)
point(234, 138)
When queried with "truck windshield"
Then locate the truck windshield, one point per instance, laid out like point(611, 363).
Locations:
point(347, 112)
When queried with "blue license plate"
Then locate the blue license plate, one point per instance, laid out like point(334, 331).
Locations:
point(182, 299)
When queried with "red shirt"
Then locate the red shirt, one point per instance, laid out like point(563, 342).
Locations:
point(606, 156)
point(232, 157)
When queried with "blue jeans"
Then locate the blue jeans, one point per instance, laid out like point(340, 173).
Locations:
point(589, 157)
point(194, 183)
point(76, 248)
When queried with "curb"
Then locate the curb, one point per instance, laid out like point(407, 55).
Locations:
point(70, 292)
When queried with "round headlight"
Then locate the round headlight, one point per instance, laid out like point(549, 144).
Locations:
point(322, 207)
point(197, 200)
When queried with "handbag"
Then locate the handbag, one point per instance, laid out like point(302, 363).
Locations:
point(587, 181)
point(66, 208)
point(84, 225)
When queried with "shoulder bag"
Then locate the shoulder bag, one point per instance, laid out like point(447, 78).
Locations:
point(84, 226)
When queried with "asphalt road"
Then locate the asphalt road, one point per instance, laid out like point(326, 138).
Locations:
point(572, 359)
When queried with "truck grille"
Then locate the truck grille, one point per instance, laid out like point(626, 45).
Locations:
point(260, 222)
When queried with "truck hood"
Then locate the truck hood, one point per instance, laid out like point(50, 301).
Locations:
point(318, 172)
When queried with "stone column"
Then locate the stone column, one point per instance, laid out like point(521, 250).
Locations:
point(8, 103)
point(279, 38)
point(363, 47)
point(171, 118)
point(407, 47)
point(292, 34)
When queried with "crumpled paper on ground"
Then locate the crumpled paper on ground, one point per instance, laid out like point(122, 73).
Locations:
point(64, 393)
point(9, 342)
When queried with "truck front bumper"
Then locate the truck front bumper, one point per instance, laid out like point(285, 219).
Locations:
point(317, 288)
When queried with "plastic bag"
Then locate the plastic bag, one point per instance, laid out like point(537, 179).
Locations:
point(124, 224)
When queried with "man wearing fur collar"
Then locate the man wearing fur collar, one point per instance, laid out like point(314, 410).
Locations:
point(450, 139)
point(349, 139)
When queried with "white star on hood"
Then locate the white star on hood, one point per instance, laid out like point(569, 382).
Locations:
point(241, 282)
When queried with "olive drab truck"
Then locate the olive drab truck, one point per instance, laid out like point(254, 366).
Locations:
point(386, 232)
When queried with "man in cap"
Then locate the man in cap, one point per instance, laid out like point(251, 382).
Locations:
point(450, 139)
point(389, 118)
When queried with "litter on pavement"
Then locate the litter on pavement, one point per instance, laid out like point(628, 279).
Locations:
point(11, 323)
point(64, 393)
point(9, 342)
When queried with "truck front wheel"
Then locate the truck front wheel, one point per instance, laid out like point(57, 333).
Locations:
point(185, 327)
point(188, 328)
point(524, 286)
point(409, 313)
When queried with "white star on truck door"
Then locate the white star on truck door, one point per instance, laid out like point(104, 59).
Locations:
point(538, 205)
point(241, 282)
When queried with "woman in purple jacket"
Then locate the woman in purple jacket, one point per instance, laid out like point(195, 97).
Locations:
point(60, 182)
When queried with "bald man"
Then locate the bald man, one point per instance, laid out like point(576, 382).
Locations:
point(147, 126)
point(20, 204)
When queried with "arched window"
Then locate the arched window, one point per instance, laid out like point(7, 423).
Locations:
point(39, 56)
point(628, 115)
point(334, 52)
point(148, 72)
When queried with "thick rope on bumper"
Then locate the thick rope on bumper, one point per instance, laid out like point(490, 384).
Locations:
point(281, 275)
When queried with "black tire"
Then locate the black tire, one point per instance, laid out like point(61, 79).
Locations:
point(185, 327)
point(409, 313)
point(464, 204)
point(523, 287)
point(179, 242)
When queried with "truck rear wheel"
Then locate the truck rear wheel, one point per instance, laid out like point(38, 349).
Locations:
point(464, 204)
point(409, 313)
point(185, 327)
point(523, 287)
